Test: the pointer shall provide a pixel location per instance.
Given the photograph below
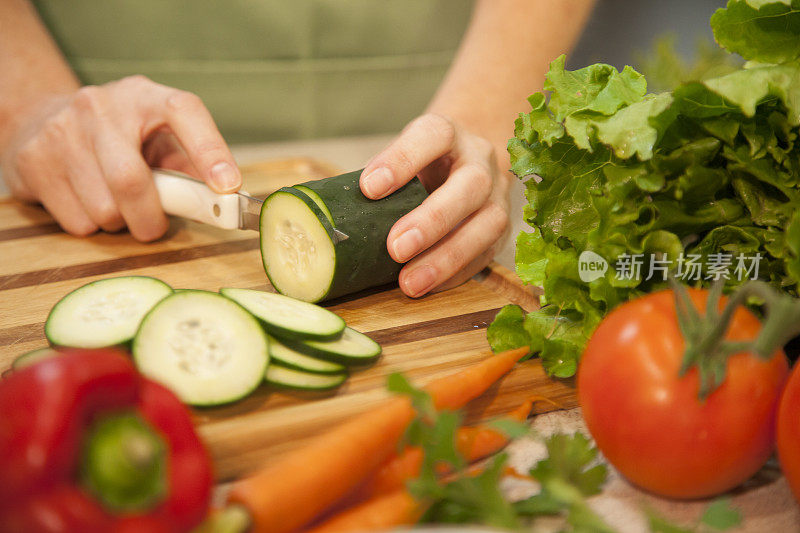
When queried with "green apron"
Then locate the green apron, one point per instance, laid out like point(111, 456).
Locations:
point(272, 69)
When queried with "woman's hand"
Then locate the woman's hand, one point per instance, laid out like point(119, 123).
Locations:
point(452, 235)
point(86, 156)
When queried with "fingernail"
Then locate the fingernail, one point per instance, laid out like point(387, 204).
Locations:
point(407, 244)
point(225, 176)
point(378, 182)
point(420, 281)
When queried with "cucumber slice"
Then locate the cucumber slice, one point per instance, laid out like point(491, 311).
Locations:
point(291, 358)
point(288, 317)
point(302, 256)
point(103, 313)
point(204, 347)
point(352, 348)
point(297, 245)
point(34, 356)
point(297, 379)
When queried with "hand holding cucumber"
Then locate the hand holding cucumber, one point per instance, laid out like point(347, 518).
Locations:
point(452, 235)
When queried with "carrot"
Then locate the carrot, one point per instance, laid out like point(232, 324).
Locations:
point(473, 442)
point(454, 391)
point(386, 511)
point(477, 442)
point(294, 490)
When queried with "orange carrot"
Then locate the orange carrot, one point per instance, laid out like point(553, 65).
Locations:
point(473, 442)
point(477, 442)
point(454, 391)
point(294, 490)
point(386, 511)
point(391, 476)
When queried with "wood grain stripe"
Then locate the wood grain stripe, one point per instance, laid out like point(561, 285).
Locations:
point(100, 268)
point(25, 232)
point(18, 334)
point(429, 329)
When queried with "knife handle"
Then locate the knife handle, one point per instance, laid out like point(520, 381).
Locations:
point(185, 197)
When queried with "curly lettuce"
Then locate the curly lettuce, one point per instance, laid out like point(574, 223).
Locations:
point(711, 168)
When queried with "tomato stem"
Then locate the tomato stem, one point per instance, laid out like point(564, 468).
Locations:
point(706, 347)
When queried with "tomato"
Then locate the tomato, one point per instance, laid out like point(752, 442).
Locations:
point(649, 421)
point(788, 434)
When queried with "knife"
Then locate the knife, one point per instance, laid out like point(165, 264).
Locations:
point(184, 196)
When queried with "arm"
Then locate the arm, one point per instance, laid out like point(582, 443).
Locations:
point(455, 148)
point(85, 152)
point(503, 59)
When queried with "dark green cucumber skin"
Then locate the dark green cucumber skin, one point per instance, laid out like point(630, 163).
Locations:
point(345, 360)
point(362, 261)
point(334, 386)
point(286, 333)
point(280, 362)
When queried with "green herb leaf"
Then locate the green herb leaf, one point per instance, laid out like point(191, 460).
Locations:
point(660, 524)
point(720, 515)
point(513, 429)
point(568, 461)
point(476, 499)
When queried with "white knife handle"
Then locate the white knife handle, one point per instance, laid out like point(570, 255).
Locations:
point(189, 198)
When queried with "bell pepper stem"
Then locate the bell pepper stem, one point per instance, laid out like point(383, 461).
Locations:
point(124, 463)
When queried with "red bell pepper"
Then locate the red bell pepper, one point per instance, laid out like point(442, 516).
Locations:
point(88, 444)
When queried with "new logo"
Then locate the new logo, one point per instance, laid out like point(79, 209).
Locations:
point(591, 266)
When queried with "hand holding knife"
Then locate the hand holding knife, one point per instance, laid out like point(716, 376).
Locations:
point(184, 196)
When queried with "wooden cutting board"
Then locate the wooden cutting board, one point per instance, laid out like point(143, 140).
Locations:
point(425, 338)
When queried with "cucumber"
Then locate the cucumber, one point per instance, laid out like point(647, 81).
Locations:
point(288, 317)
point(317, 200)
point(291, 358)
point(352, 348)
point(34, 356)
point(204, 347)
point(103, 313)
point(297, 379)
point(303, 257)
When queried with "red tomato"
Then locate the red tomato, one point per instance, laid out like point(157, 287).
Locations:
point(649, 422)
point(788, 435)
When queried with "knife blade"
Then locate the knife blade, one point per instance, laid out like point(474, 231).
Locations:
point(184, 196)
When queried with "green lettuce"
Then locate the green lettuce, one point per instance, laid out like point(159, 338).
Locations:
point(759, 30)
point(707, 172)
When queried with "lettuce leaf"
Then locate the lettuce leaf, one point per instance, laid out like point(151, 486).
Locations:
point(707, 171)
point(759, 30)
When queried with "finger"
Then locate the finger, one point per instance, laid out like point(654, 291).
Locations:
point(464, 191)
point(164, 151)
point(62, 203)
point(454, 252)
point(131, 184)
point(86, 179)
point(424, 140)
point(53, 190)
point(465, 274)
point(192, 124)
